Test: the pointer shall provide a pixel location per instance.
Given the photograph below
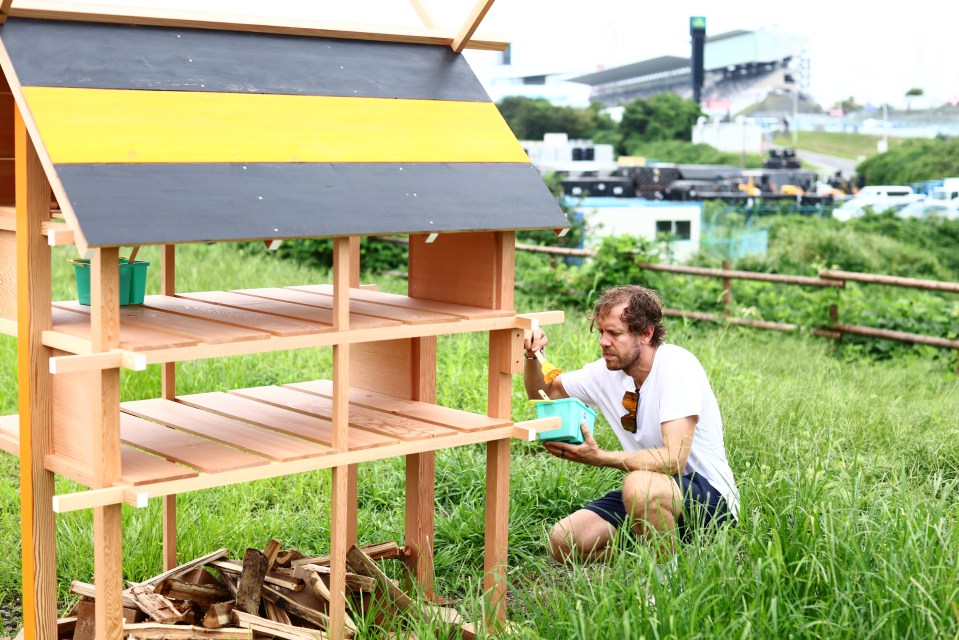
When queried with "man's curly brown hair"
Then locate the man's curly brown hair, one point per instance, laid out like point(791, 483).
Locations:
point(643, 310)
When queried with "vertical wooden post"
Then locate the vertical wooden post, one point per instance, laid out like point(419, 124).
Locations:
point(500, 391)
point(352, 495)
point(727, 289)
point(340, 515)
point(107, 534)
point(421, 474)
point(168, 392)
point(37, 522)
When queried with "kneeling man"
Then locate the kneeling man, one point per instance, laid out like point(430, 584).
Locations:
point(658, 401)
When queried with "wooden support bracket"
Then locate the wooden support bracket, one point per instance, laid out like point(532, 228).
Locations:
point(529, 429)
point(113, 359)
point(99, 498)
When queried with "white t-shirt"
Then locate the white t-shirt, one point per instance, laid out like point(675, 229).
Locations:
point(676, 387)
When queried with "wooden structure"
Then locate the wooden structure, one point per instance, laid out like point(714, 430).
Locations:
point(154, 128)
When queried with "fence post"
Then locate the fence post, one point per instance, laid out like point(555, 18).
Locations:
point(834, 315)
point(727, 289)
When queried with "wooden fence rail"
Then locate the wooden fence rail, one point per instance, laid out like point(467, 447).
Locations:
point(827, 278)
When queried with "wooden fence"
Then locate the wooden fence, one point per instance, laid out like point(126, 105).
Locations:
point(827, 278)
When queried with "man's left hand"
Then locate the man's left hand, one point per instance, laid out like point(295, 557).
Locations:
point(586, 453)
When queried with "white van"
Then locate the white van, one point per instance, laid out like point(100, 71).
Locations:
point(876, 199)
point(942, 202)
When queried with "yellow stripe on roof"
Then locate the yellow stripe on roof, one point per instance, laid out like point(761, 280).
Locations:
point(122, 126)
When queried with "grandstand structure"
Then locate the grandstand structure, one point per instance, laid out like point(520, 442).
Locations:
point(741, 68)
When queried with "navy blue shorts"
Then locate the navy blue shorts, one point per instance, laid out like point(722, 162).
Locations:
point(702, 504)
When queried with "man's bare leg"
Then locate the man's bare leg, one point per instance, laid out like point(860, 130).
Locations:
point(654, 503)
point(581, 536)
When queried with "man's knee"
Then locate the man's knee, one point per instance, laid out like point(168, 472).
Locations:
point(645, 496)
point(561, 543)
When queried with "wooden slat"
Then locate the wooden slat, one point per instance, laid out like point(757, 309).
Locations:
point(304, 295)
point(282, 420)
point(10, 434)
point(272, 324)
point(262, 305)
point(187, 327)
point(435, 414)
point(117, 494)
point(139, 468)
point(418, 304)
point(397, 426)
point(231, 432)
point(324, 306)
point(176, 446)
point(131, 337)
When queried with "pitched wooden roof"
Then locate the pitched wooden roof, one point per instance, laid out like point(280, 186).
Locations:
point(170, 134)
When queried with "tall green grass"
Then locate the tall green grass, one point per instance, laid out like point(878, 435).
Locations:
point(848, 471)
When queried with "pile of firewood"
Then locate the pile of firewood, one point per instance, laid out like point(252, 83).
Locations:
point(273, 593)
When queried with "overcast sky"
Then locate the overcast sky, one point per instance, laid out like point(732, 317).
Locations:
point(870, 51)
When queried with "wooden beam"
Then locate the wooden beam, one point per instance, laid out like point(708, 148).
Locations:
point(34, 390)
point(421, 474)
point(5, 10)
point(168, 391)
point(52, 10)
point(340, 487)
point(497, 486)
point(461, 41)
point(425, 16)
point(499, 395)
point(107, 546)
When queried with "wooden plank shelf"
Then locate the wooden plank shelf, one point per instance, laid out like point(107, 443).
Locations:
point(209, 324)
point(56, 230)
point(225, 438)
point(137, 467)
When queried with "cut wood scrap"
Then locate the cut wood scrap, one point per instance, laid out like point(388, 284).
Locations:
point(87, 590)
point(251, 581)
point(273, 577)
point(155, 631)
point(219, 615)
point(380, 551)
point(270, 551)
point(199, 576)
point(275, 613)
point(202, 594)
point(189, 566)
point(354, 581)
point(446, 615)
point(286, 558)
point(364, 565)
point(319, 587)
point(157, 607)
point(309, 614)
point(268, 627)
point(230, 582)
point(66, 627)
point(85, 627)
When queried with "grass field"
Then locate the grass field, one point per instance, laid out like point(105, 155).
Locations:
point(844, 145)
point(848, 472)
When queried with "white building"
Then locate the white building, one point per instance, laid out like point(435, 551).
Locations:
point(649, 219)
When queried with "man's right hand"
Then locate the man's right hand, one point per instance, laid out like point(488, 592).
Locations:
point(534, 341)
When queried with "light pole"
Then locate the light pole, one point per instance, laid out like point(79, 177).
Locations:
point(795, 127)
